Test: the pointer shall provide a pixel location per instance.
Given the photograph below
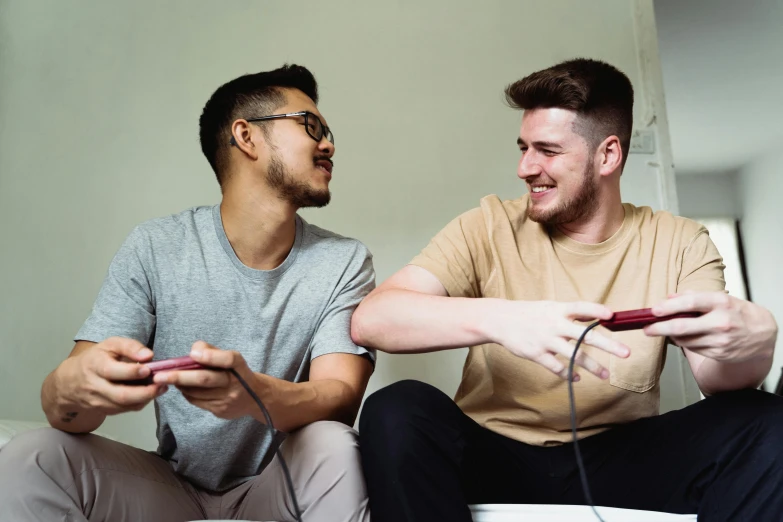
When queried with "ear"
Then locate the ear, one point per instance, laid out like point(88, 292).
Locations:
point(245, 139)
point(609, 156)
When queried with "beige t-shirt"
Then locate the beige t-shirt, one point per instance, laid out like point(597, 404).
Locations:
point(496, 251)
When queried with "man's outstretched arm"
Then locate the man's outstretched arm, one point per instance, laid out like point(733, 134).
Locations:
point(411, 312)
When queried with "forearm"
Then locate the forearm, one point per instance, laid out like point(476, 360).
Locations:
point(64, 414)
point(293, 405)
point(715, 376)
point(403, 321)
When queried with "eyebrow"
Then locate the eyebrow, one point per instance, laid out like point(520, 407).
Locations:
point(541, 144)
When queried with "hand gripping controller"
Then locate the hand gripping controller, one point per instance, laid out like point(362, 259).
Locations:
point(638, 319)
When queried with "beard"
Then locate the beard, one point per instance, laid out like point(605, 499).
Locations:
point(582, 204)
point(296, 192)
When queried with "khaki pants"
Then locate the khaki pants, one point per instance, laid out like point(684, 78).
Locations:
point(47, 474)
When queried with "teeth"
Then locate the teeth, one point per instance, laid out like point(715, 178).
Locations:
point(541, 188)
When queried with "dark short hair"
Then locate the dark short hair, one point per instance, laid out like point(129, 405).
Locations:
point(600, 94)
point(248, 96)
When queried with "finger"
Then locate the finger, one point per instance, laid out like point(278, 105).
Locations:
point(698, 343)
point(691, 302)
point(678, 294)
point(553, 364)
point(202, 394)
point(593, 338)
point(213, 357)
point(117, 371)
point(130, 348)
point(194, 378)
point(196, 402)
point(566, 349)
point(586, 311)
point(681, 327)
point(207, 405)
point(127, 397)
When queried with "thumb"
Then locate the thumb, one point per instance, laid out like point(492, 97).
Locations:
point(130, 348)
point(586, 311)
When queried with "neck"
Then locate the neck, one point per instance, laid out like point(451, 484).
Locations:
point(259, 225)
point(599, 225)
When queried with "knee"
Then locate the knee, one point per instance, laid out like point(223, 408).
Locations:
point(43, 447)
point(394, 419)
point(325, 455)
point(36, 441)
point(326, 470)
point(328, 445)
point(761, 411)
point(392, 407)
point(753, 403)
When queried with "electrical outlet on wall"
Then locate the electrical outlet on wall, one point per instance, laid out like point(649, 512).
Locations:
point(642, 142)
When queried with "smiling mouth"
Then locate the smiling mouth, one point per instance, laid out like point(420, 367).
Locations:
point(537, 189)
point(325, 165)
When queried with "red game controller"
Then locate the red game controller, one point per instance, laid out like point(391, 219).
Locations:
point(638, 319)
point(167, 365)
point(177, 363)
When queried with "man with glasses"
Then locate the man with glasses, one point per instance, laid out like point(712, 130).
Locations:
point(246, 285)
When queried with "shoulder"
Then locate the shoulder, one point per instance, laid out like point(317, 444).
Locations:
point(170, 232)
point(490, 209)
point(189, 220)
point(666, 224)
point(512, 210)
point(495, 217)
point(320, 242)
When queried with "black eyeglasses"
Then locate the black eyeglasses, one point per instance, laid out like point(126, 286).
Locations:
point(313, 125)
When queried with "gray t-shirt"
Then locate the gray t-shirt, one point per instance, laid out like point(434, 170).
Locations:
point(177, 280)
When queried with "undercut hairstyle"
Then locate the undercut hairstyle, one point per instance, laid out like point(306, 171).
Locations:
point(249, 96)
point(600, 94)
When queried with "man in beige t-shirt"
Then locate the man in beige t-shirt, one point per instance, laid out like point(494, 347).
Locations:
point(518, 281)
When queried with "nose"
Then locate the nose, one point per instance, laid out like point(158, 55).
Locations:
point(528, 166)
point(326, 147)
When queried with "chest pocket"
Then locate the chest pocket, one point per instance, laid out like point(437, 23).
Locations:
point(640, 371)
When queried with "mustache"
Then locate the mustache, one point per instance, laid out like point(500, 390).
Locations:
point(323, 158)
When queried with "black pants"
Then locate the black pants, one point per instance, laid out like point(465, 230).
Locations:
point(424, 460)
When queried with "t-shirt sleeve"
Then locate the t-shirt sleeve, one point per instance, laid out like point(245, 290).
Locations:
point(333, 334)
point(125, 305)
point(702, 265)
point(459, 255)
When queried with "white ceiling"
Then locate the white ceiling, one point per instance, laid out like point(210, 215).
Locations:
point(722, 66)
